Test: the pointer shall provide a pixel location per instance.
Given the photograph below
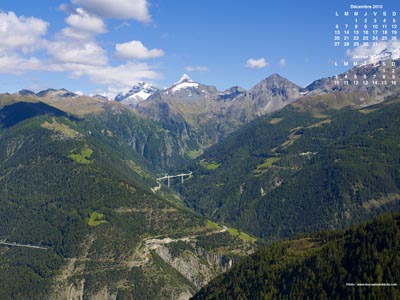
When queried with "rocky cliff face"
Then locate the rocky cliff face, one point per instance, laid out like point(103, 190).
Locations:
point(179, 264)
point(271, 94)
point(199, 266)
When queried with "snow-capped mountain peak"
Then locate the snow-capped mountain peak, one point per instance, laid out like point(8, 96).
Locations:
point(380, 56)
point(184, 83)
point(138, 93)
point(385, 54)
point(383, 51)
point(184, 78)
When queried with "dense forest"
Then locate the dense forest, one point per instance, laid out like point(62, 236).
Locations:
point(362, 262)
point(300, 171)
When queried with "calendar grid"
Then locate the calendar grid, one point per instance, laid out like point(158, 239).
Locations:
point(367, 26)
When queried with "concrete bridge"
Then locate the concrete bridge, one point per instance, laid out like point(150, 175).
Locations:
point(169, 177)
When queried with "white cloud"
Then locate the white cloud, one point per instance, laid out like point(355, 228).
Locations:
point(136, 50)
point(256, 63)
point(87, 53)
point(14, 64)
point(118, 9)
point(20, 32)
point(68, 53)
point(282, 62)
point(83, 26)
point(76, 34)
point(82, 21)
point(121, 76)
point(196, 69)
point(116, 78)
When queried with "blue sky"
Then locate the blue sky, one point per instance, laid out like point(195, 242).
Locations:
point(106, 46)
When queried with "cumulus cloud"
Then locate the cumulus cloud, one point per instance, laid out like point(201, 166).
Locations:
point(73, 51)
point(15, 64)
point(83, 25)
point(76, 34)
point(196, 69)
point(20, 32)
point(256, 63)
point(90, 60)
point(88, 53)
point(136, 50)
point(118, 9)
point(282, 62)
point(121, 76)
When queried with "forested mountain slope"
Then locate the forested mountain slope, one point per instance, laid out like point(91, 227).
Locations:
point(362, 262)
point(75, 187)
point(302, 169)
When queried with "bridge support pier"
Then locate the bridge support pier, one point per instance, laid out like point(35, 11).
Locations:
point(168, 177)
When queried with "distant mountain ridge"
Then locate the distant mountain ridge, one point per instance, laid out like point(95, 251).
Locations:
point(379, 77)
point(201, 115)
point(138, 93)
point(48, 93)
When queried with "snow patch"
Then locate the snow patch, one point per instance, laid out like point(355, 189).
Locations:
point(137, 93)
point(184, 78)
point(142, 94)
point(184, 85)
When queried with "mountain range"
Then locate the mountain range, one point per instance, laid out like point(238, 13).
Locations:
point(82, 177)
point(201, 115)
point(198, 114)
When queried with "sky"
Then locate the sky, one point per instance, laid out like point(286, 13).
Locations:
point(107, 46)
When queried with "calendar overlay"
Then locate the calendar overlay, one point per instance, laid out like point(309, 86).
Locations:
point(370, 27)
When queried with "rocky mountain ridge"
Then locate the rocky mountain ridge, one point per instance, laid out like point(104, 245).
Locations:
point(200, 115)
